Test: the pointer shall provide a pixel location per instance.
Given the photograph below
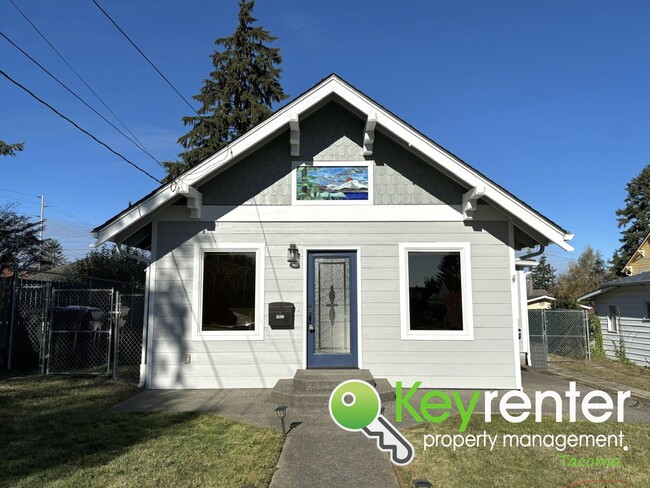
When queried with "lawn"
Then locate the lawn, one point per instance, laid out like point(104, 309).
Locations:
point(626, 374)
point(57, 431)
point(532, 466)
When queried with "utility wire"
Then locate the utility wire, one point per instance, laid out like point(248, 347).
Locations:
point(78, 127)
point(20, 193)
point(77, 74)
point(49, 222)
point(145, 57)
point(79, 98)
point(71, 215)
point(13, 199)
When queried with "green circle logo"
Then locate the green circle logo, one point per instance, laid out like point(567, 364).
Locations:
point(354, 404)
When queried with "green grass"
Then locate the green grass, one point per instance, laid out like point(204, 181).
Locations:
point(626, 374)
point(57, 431)
point(526, 467)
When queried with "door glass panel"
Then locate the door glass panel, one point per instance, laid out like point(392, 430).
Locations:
point(332, 305)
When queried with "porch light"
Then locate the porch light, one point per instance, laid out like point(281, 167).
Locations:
point(293, 256)
point(281, 412)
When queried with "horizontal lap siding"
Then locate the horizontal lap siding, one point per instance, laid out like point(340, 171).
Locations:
point(635, 331)
point(488, 361)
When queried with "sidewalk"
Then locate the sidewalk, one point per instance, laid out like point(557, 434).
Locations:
point(316, 452)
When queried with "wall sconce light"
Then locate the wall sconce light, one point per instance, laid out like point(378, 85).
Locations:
point(293, 256)
point(281, 412)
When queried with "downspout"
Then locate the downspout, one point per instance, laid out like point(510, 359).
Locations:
point(145, 330)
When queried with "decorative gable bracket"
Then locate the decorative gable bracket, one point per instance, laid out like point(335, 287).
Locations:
point(194, 199)
point(470, 201)
point(294, 137)
point(369, 134)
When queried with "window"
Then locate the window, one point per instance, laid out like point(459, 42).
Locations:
point(647, 311)
point(612, 319)
point(436, 291)
point(229, 295)
point(332, 183)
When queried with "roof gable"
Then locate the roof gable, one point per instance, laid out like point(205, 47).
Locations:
point(375, 115)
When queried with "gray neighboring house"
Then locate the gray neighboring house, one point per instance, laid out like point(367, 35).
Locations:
point(332, 235)
point(623, 306)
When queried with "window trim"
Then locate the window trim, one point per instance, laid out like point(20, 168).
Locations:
point(467, 334)
point(612, 325)
point(200, 250)
point(369, 164)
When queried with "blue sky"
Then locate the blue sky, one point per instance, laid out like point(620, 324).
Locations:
point(549, 99)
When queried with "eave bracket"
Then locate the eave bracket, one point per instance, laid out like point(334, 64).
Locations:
point(369, 134)
point(294, 137)
point(470, 202)
point(194, 199)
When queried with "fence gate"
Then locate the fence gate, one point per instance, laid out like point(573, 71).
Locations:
point(557, 335)
point(81, 331)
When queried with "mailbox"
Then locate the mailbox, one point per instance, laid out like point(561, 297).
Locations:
point(281, 315)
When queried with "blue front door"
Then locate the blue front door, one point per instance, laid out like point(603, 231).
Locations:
point(332, 310)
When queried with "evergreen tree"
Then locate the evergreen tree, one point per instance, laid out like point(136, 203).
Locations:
point(52, 254)
point(635, 218)
point(544, 275)
point(237, 96)
point(19, 239)
point(582, 276)
point(106, 263)
point(10, 149)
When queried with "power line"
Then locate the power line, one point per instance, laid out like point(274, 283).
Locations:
point(78, 127)
point(71, 215)
point(20, 193)
point(79, 98)
point(78, 75)
point(145, 57)
point(49, 222)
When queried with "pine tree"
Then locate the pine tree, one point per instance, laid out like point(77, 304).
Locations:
point(237, 96)
point(10, 149)
point(544, 275)
point(635, 218)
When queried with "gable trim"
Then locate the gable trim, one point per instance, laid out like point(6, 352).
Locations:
point(334, 86)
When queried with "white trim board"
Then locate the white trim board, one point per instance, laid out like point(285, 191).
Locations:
point(333, 85)
point(200, 249)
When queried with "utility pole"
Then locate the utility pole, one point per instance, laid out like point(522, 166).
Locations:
point(40, 262)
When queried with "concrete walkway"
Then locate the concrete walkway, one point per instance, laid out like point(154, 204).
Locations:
point(317, 453)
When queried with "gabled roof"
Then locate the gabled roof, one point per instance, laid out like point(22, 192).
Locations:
point(138, 215)
point(636, 251)
point(640, 279)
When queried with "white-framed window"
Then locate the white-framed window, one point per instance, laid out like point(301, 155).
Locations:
point(436, 291)
point(612, 318)
point(332, 183)
point(228, 292)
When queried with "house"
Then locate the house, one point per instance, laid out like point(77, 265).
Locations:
point(265, 262)
point(540, 299)
point(640, 260)
point(623, 306)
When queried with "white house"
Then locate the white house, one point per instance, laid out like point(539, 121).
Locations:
point(394, 255)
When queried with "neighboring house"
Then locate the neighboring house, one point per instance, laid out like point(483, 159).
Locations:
point(640, 260)
point(623, 306)
point(397, 256)
point(540, 300)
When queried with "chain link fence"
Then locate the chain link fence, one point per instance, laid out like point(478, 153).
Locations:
point(557, 335)
point(58, 327)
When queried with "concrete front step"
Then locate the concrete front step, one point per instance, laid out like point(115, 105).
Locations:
point(312, 388)
point(328, 379)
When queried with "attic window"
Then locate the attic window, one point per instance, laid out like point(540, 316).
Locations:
point(436, 291)
point(332, 183)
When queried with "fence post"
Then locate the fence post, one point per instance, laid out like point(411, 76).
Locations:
point(116, 335)
point(585, 321)
point(14, 314)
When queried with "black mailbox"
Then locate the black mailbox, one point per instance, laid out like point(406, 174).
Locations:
point(281, 315)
